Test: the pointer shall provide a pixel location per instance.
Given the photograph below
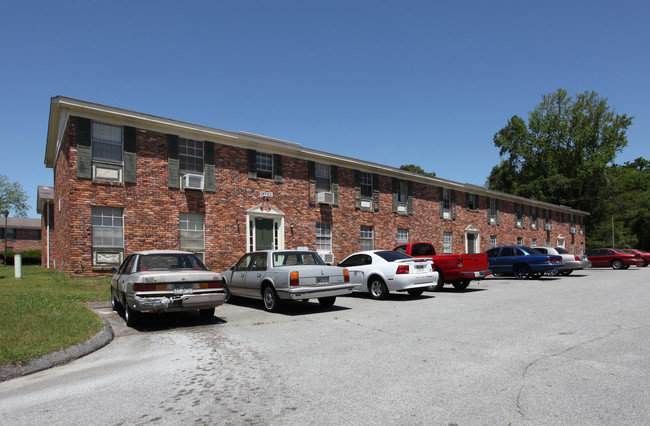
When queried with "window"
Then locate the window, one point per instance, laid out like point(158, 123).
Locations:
point(447, 199)
point(582, 248)
point(323, 178)
point(367, 238)
point(533, 217)
point(11, 234)
point(324, 237)
point(107, 235)
point(365, 182)
point(402, 235)
point(493, 211)
point(264, 165)
point(519, 215)
point(533, 242)
point(190, 156)
point(192, 232)
point(446, 243)
point(107, 143)
point(560, 242)
point(402, 192)
point(493, 241)
point(472, 201)
point(520, 241)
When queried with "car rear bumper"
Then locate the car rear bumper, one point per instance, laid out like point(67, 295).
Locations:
point(475, 275)
point(302, 292)
point(412, 281)
point(575, 264)
point(176, 302)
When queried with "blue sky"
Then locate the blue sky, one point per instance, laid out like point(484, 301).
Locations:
point(392, 82)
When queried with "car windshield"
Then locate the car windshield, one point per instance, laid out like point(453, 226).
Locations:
point(391, 256)
point(560, 250)
point(289, 258)
point(169, 261)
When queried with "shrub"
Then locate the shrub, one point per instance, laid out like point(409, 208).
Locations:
point(29, 257)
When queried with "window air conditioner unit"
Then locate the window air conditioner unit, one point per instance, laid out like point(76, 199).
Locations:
point(328, 257)
point(548, 227)
point(191, 181)
point(518, 223)
point(446, 215)
point(580, 231)
point(533, 226)
point(325, 198)
point(492, 220)
point(401, 208)
point(572, 230)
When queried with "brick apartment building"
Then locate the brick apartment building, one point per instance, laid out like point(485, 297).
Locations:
point(127, 181)
point(20, 233)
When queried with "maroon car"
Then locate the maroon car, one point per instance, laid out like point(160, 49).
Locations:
point(643, 257)
point(606, 257)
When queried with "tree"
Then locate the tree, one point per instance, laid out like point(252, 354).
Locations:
point(561, 155)
point(12, 197)
point(416, 169)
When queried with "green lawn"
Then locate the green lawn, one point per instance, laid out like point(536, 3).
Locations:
point(45, 311)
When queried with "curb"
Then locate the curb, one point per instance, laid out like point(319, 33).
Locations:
point(98, 341)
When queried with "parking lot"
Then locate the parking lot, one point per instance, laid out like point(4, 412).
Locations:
point(570, 350)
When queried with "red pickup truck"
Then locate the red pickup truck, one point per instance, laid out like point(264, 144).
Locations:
point(457, 269)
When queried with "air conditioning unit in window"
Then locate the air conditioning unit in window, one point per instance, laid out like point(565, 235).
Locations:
point(533, 226)
point(191, 181)
point(493, 221)
point(548, 227)
point(328, 257)
point(572, 230)
point(325, 198)
point(518, 223)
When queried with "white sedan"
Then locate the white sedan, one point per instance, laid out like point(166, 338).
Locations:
point(379, 272)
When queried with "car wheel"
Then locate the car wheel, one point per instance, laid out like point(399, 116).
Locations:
point(625, 267)
point(553, 272)
point(521, 271)
point(270, 297)
point(130, 316)
point(416, 292)
point(227, 291)
point(377, 288)
point(460, 285)
point(566, 272)
point(617, 264)
point(439, 285)
point(206, 313)
point(645, 263)
point(326, 302)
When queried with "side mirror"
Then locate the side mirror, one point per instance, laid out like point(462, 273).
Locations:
point(113, 270)
point(232, 268)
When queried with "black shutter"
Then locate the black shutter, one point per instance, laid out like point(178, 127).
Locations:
point(441, 201)
point(395, 190)
point(357, 189)
point(173, 165)
point(277, 168)
point(252, 164)
point(452, 203)
point(410, 199)
point(208, 169)
point(334, 170)
point(375, 191)
point(84, 150)
point(130, 158)
point(311, 176)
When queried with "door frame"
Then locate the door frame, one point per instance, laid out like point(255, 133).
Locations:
point(264, 211)
point(471, 229)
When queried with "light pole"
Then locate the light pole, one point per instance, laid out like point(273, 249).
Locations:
point(6, 213)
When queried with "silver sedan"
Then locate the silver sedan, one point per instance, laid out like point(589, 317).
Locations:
point(571, 262)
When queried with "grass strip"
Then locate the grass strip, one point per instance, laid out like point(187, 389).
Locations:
point(45, 311)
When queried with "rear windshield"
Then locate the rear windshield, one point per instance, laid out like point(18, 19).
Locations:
point(290, 258)
point(169, 261)
point(560, 250)
point(391, 256)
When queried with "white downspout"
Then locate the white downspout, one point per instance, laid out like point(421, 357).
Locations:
point(48, 235)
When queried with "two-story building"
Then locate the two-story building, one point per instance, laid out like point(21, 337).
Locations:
point(127, 181)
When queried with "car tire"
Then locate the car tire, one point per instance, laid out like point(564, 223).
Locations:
point(270, 298)
point(117, 306)
point(617, 264)
point(521, 271)
point(439, 285)
point(460, 285)
point(645, 263)
point(567, 272)
point(131, 317)
point(377, 288)
point(206, 313)
point(326, 302)
point(416, 292)
point(553, 272)
point(228, 294)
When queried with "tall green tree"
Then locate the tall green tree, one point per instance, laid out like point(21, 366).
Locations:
point(561, 154)
point(12, 197)
point(416, 169)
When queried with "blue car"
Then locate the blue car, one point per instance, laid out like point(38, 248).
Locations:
point(522, 262)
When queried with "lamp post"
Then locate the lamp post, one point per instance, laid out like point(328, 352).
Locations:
point(6, 213)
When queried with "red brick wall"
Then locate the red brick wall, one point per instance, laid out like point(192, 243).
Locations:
point(151, 210)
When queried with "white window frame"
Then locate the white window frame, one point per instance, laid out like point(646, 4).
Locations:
point(323, 237)
point(520, 241)
point(493, 241)
point(402, 235)
point(533, 242)
point(264, 164)
point(367, 237)
point(110, 137)
point(323, 178)
point(192, 232)
point(190, 156)
point(108, 250)
point(402, 192)
point(447, 243)
point(365, 184)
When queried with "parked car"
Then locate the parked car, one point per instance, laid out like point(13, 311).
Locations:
point(610, 257)
point(644, 256)
point(379, 272)
point(278, 275)
point(522, 262)
point(571, 261)
point(457, 269)
point(165, 281)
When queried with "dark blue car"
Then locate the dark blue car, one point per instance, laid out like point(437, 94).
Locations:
point(522, 262)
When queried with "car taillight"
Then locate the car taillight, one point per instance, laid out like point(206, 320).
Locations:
point(346, 276)
point(403, 269)
point(294, 278)
point(214, 284)
point(459, 264)
point(577, 258)
point(149, 287)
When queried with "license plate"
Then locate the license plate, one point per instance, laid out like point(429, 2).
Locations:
point(478, 274)
point(322, 280)
point(183, 289)
point(419, 266)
